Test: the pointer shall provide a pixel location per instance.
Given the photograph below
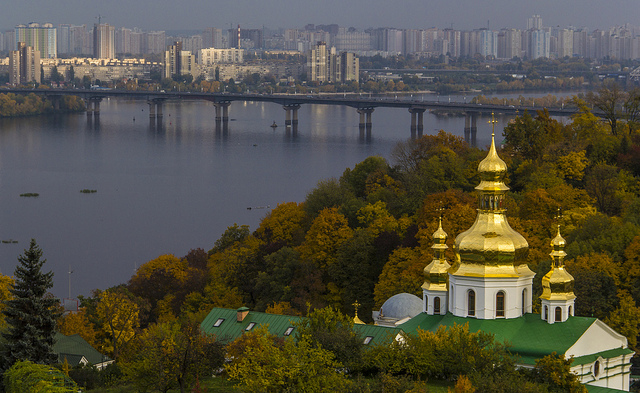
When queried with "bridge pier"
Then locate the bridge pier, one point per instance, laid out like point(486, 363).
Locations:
point(93, 106)
point(419, 113)
point(152, 109)
point(365, 118)
point(222, 111)
point(289, 108)
point(471, 127)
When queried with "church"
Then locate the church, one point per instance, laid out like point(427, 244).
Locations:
point(489, 286)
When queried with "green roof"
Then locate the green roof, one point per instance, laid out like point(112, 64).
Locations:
point(600, 389)
point(74, 347)
point(611, 353)
point(528, 336)
point(228, 329)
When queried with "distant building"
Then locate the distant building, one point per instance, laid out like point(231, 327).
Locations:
point(24, 65)
point(245, 38)
point(104, 41)
point(41, 38)
point(212, 56)
point(178, 62)
point(326, 65)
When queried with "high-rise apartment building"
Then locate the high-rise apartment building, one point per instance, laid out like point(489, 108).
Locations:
point(509, 44)
point(564, 45)
point(534, 22)
point(104, 41)
point(178, 62)
point(326, 65)
point(538, 44)
point(41, 38)
point(24, 65)
point(212, 38)
point(212, 56)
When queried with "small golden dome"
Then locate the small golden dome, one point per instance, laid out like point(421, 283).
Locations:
point(557, 284)
point(436, 273)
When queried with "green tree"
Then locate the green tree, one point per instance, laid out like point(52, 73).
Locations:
point(31, 314)
point(263, 363)
point(172, 354)
point(329, 329)
point(554, 371)
point(119, 315)
point(27, 377)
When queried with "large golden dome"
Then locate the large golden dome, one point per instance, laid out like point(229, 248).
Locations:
point(491, 248)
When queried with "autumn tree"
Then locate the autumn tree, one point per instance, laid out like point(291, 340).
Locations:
point(172, 355)
point(327, 232)
point(31, 313)
point(554, 371)
point(609, 99)
point(78, 323)
point(261, 362)
point(6, 283)
point(283, 226)
point(119, 315)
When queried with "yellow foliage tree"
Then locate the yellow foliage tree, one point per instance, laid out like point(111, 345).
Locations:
point(376, 218)
point(626, 319)
point(78, 323)
point(402, 273)
point(283, 224)
point(328, 231)
point(120, 319)
point(6, 283)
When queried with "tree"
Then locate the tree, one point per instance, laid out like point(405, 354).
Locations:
point(263, 363)
point(31, 315)
point(172, 354)
point(78, 323)
point(27, 377)
point(6, 283)
point(329, 329)
point(120, 318)
point(609, 99)
point(554, 371)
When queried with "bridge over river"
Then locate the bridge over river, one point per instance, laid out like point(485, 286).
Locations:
point(365, 105)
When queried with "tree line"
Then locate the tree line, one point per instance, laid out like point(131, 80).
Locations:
point(367, 236)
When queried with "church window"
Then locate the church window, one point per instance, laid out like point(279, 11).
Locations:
point(546, 313)
point(500, 304)
point(426, 303)
point(471, 303)
point(596, 368)
point(570, 311)
point(524, 301)
point(436, 305)
point(558, 314)
point(452, 300)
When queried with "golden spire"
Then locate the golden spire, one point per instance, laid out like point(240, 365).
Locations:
point(357, 320)
point(436, 273)
point(491, 248)
point(558, 283)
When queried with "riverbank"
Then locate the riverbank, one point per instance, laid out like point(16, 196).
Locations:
point(18, 105)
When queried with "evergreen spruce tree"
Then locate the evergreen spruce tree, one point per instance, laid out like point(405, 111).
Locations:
point(31, 315)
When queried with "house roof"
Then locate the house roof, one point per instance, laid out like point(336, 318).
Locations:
point(228, 329)
point(75, 347)
point(528, 336)
point(600, 389)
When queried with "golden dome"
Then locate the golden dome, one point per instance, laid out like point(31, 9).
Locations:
point(437, 272)
point(557, 284)
point(491, 248)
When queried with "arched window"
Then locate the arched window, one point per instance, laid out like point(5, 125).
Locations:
point(500, 304)
point(546, 313)
point(471, 303)
point(436, 305)
point(524, 301)
point(558, 314)
point(426, 303)
point(570, 311)
point(596, 369)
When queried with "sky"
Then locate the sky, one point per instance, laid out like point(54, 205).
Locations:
point(197, 14)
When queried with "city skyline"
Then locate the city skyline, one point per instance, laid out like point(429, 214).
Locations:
point(361, 14)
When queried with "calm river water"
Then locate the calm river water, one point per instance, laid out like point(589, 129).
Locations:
point(172, 187)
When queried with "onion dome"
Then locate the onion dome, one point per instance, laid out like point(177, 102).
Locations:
point(436, 273)
point(558, 283)
point(491, 248)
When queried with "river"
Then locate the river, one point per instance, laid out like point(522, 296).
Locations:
point(171, 187)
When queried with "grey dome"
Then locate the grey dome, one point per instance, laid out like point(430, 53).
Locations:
point(401, 306)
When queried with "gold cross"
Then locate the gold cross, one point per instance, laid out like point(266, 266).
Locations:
point(493, 122)
point(356, 305)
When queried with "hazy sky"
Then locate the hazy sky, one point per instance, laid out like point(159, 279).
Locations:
point(198, 14)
